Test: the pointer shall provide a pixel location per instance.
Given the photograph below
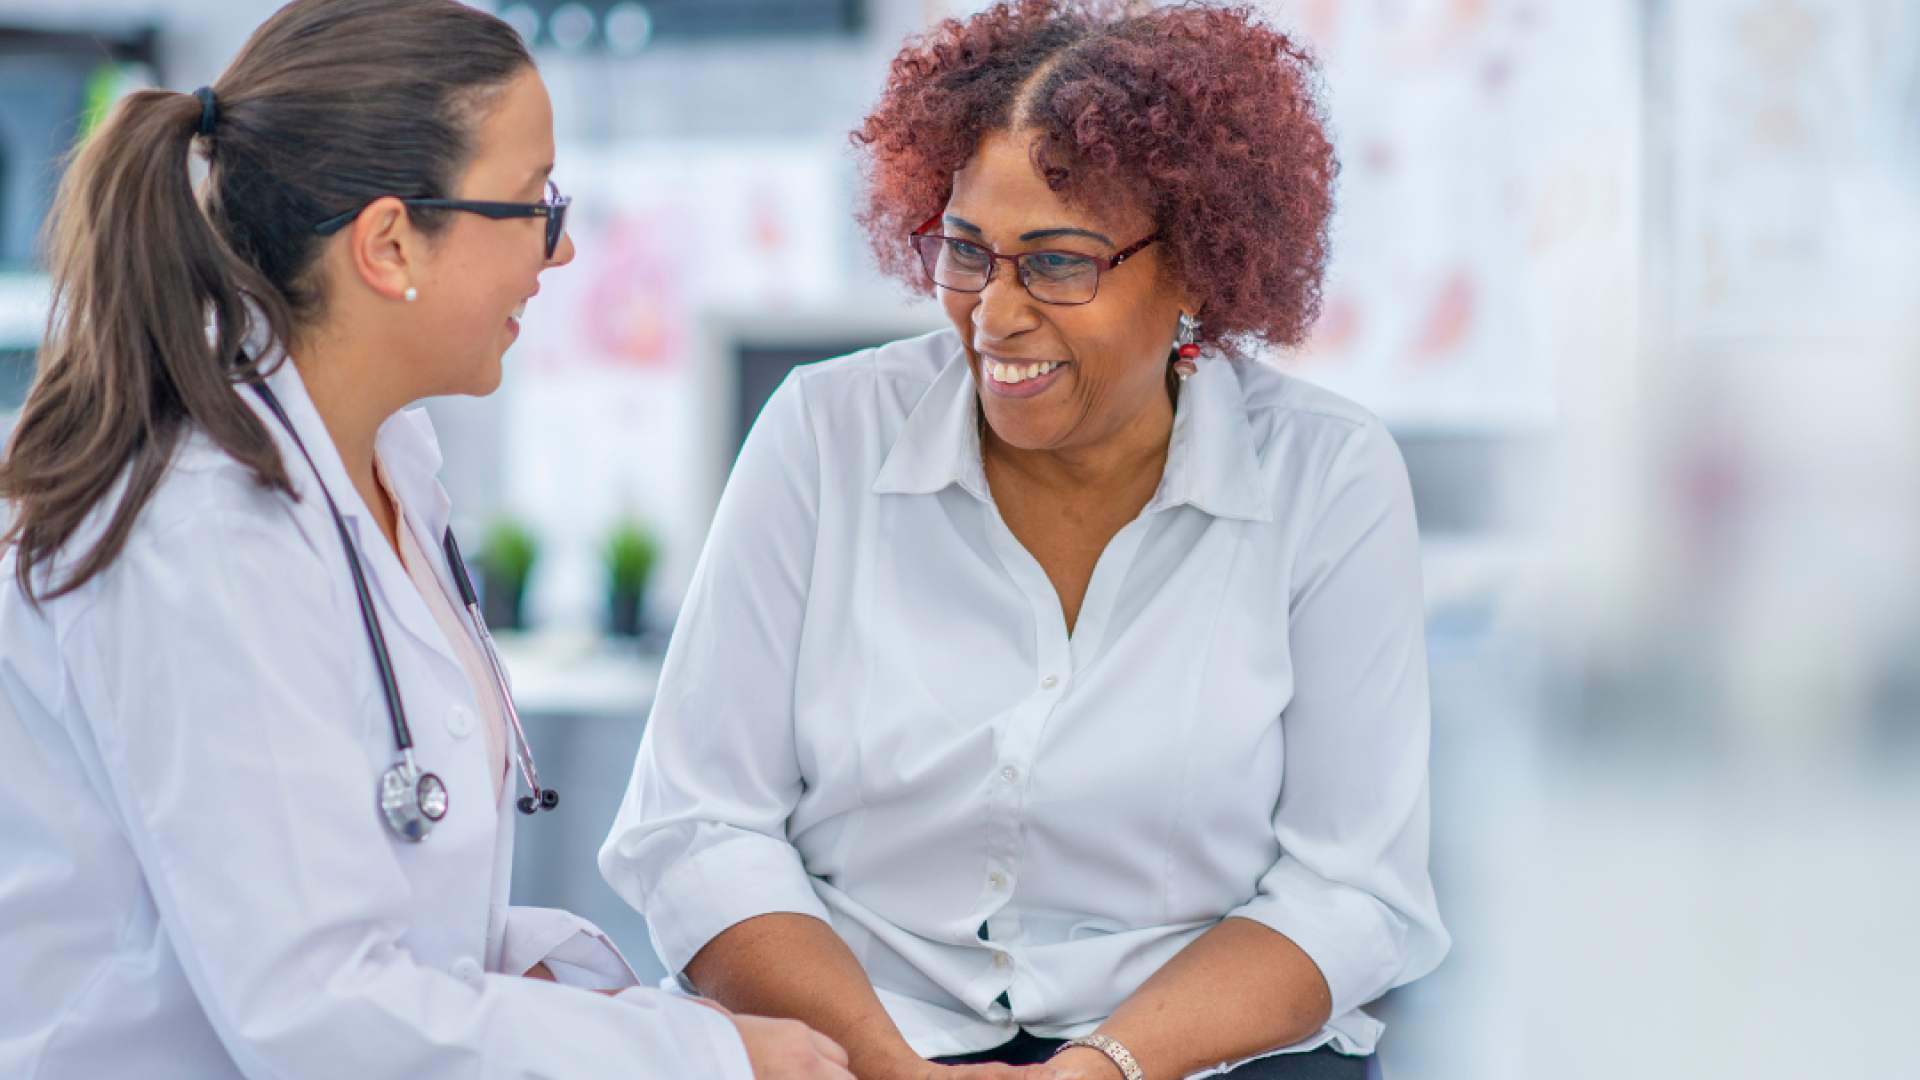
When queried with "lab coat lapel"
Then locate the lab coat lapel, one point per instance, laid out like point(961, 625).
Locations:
point(410, 451)
point(392, 587)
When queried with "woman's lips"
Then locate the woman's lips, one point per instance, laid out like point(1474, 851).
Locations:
point(1019, 379)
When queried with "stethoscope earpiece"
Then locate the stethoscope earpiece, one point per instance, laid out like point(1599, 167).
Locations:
point(548, 799)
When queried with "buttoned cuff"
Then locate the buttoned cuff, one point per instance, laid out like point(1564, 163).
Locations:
point(1356, 941)
point(719, 884)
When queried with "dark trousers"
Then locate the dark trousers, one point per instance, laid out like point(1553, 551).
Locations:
point(1322, 1064)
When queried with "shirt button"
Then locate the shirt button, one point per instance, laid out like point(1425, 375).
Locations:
point(997, 879)
point(1049, 682)
point(459, 722)
point(1001, 960)
point(1009, 774)
point(467, 970)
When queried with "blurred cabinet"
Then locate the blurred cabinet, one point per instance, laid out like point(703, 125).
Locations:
point(52, 84)
point(584, 702)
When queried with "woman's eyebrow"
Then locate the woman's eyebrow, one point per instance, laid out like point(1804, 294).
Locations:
point(1043, 234)
point(1037, 234)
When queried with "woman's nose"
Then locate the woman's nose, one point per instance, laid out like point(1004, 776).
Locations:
point(563, 254)
point(1005, 307)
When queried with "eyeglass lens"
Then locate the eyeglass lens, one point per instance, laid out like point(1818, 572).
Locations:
point(1052, 277)
point(556, 218)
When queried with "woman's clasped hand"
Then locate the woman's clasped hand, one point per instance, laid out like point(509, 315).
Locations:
point(790, 1050)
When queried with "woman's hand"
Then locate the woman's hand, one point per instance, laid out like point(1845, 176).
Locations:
point(789, 1050)
point(786, 964)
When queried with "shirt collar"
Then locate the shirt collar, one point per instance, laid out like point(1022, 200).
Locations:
point(1212, 464)
point(940, 442)
point(1211, 461)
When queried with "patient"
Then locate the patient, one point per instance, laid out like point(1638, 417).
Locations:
point(1060, 674)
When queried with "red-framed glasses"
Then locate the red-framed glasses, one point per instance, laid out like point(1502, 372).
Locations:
point(1051, 277)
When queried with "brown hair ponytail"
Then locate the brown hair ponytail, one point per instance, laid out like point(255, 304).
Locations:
point(331, 104)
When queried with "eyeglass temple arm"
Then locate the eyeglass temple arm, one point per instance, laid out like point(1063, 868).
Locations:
point(1123, 256)
point(498, 211)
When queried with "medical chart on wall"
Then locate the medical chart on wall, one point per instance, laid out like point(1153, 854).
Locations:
point(602, 408)
point(1796, 192)
point(1485, 207)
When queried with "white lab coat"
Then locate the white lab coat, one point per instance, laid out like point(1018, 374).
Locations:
point(195, 879)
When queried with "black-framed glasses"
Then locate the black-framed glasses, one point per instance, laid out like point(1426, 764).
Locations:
point(554, 210)
point(1051, 277)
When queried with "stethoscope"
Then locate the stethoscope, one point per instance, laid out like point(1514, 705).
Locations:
point(411, 800)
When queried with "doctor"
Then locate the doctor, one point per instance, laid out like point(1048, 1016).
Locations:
point(257, 766)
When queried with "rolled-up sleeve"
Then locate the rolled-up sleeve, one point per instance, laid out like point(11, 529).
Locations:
point(1351, 886)
point(700, 843)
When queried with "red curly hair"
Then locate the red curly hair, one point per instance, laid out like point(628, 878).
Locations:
point(1200, 114)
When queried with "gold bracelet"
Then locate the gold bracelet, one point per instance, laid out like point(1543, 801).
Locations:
point(1114, 1051)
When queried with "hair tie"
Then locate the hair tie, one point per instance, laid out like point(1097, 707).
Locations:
point(207, 111)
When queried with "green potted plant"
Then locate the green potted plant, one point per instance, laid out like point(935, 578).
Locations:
point(629, 554)
point(506, 561)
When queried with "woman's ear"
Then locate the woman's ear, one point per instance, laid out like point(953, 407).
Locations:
point(385, 249)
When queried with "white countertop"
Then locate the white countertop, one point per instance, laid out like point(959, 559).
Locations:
point(578, 673)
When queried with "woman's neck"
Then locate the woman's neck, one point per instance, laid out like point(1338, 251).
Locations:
point(1135, 454)
point(353, 411)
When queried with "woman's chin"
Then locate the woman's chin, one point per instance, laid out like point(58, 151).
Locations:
point(485, 378)
point(1024, 432)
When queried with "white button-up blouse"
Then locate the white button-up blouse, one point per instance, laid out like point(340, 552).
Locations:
point(872, 711)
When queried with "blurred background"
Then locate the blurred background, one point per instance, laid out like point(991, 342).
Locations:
point(1634, 283)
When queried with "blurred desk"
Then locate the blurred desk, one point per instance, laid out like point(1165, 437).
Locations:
point(574, 673)
point(584, 701)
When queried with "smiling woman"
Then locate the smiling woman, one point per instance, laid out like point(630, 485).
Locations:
point(1055, 684)
point(1198, 118)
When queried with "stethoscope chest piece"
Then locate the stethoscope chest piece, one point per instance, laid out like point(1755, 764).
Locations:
point(412, 801)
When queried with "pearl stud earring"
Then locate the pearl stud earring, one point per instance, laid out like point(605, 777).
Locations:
point(411, 294)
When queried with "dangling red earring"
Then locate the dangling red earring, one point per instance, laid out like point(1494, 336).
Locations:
point(1188, 351)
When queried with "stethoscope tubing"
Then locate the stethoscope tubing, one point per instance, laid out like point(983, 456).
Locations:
point(382, 661)
point(541, 798)
point(544, 798)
